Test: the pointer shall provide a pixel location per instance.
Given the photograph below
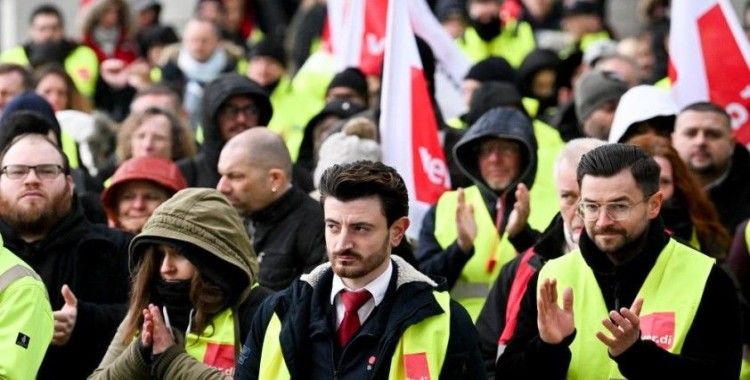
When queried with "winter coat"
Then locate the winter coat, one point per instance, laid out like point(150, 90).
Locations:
point(712, 347)
point(200, 170)
point(730, 194)
point(289, 238)
point(203, 219)
point(308, 337)
point(93, 261)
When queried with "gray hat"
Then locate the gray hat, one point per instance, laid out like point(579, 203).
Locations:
point(594, 89)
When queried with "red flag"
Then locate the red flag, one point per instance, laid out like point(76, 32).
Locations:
point(408, 128)
point(710, 59)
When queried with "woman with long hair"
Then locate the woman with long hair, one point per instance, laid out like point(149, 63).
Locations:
point(687, 212)
point(55, 85)
point(193, 293)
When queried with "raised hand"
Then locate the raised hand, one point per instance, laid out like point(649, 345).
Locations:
point(520, 214)
point(465, 224)
point(624, 327)
point(147, 330)
point(555, 324)
point(162, 334)
point(65, 318)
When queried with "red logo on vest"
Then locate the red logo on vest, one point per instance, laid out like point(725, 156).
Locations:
point(659, 327)
point(416, 366)
point(219, 356)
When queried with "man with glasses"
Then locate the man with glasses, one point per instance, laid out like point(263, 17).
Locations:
point(465, 237)
point(231, 104)
point(635, 303)
point(84, 266)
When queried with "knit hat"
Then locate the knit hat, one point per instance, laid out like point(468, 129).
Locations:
point(594, 89)
point(142, 5)
point(352, 78)
point(354, 143)
point(581, 7)
point(267, 48)
point(447, 9)
point(492, 69)
point(599, 49)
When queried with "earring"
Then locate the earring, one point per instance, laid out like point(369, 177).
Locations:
point(273, 189)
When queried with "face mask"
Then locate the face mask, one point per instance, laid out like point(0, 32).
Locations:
point(175, 297)
point(487, 30)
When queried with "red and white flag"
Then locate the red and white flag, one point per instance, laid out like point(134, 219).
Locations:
point(408, 128)
point(710, 59)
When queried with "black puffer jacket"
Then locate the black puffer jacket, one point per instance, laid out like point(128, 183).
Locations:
point(201, 171)
point(501, 122)
point(288, 238)
point(93, 260)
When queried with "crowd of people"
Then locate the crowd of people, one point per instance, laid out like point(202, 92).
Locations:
point(209, 203)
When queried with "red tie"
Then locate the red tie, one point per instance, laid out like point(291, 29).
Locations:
point(350, 324)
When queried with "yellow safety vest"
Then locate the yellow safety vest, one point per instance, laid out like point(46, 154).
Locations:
point(543, 195)
point(479, 273)
point(81, 64)
point(70, 148)
point(514, 43)
point(671, 292)
point(429, 337)
point(288, 119)
point(216, 346)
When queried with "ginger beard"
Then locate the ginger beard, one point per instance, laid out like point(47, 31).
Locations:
point(36, 216)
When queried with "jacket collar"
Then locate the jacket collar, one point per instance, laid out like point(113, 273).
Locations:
point(405, 273)
point(280, 208)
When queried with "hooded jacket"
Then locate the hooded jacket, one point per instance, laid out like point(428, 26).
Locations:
point(203, 221)
point(92, 259)
point(307, 334)
point(638, 104)
point(200, 170)
point(502, 122)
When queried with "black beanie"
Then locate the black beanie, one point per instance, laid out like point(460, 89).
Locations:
point(492, 69)
point(352, 78)
point(267, 48)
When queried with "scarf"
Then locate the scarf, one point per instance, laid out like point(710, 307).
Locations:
point(174, 297)
point(197, 75)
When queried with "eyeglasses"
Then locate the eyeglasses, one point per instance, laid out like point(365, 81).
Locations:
point(250, 110)
point(44, 171)
point(503, 149)
point(615, 211)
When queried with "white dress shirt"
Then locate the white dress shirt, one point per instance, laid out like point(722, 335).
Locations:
point(376, 287)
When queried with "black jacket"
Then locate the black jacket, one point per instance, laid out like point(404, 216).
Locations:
point(308, 335)
point(288, 238)
point(731, 195)
point(491, 321)
point(201, 170)
point(712, 348)
point(501, 122)
point(93, 260)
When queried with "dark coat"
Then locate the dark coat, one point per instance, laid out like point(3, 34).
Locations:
point(93, 260)
point(308, 336)
point(491, 321)
point(731, 195)
point(712, 348)
point(288, 238)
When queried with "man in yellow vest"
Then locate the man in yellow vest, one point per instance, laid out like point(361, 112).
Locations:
point(47, 43)
point(465, 236)
point(635, 303)
point(366, 314)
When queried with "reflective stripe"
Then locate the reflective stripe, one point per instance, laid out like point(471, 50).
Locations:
point(680, 272)
point(14, 273)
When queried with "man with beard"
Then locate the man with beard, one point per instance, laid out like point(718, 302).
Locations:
point(83, 266)
point(286, 224)
point(703, 138)
point(366, 313)
point(47, 43)
point(636, 303)
point(498, 318)
point(487, 35)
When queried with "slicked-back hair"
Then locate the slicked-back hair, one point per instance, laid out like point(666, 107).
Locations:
point(709, 107)
point(611, 159)
point(363, 179)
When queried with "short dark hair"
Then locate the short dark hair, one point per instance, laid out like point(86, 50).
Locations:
point(609, 160)
point(709, 107)
point(17, 138)
point(7, 68)
point(47, 9)
point(363, 179)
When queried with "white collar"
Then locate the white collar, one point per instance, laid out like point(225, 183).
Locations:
point(376, 287)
